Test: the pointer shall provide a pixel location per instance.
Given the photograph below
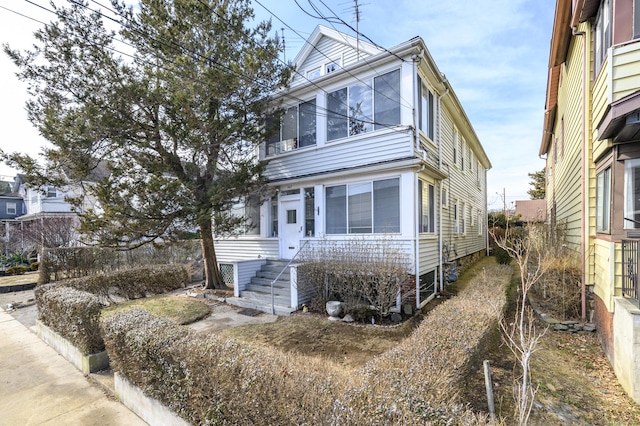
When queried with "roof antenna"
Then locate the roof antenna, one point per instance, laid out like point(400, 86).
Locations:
point(284, 48)
point(357, 11)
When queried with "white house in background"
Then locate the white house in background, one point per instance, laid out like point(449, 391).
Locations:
point(373, 144)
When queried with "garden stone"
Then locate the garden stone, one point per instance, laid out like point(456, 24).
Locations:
point(560, 327)
point(396, 317)
point(348, 318)
point(589, 327)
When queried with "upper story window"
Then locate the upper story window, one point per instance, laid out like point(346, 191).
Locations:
point(12, 208)
point(602, 34)
point(331, 67)
point(364, 107)
point(51, 192)
point(426, 111)
point(313, 74)
point(297, 129)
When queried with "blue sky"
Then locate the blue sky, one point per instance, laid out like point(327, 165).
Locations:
point(494, 53)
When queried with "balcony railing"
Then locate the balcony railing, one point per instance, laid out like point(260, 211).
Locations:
point(630, 250)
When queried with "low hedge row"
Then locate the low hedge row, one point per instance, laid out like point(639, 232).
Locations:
point(74, 314)
point(211, 380)
point(133, 283)
point(72, 307)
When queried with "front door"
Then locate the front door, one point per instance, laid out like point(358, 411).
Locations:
point(291, 228)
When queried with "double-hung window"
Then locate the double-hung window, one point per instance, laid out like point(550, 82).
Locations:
point(632, 194)
point(603, 200)
point(297, 129)
point(363, 208)
point(602, 34)
point(426, 111)
point(363, 107)
point(426, 195)
point(12, 208)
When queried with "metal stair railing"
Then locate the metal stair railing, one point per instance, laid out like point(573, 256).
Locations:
point(273, 305)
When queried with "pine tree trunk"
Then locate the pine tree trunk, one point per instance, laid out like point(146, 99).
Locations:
point(212, 276)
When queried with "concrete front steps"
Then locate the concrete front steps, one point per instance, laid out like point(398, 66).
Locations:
point(257, 294)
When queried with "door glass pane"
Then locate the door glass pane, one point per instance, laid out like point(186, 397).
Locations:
point(386, 206)
point(309, 212)
point(360, 208)
point(292, 216)
point(632, 194)
point(336, 210)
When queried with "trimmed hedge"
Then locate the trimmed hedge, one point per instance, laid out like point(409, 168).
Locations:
point(74, 314)
point(133, 283)
point(211, 380)
point(72, 307)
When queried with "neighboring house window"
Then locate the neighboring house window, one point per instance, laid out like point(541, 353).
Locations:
point(456, 222)
point(363, 208)
point(274, 216)
point(445, 197)
point(12, 208)
point(309, 212)
point(297, 129)
point(462, 145)
point(313, 74)
point(51, 192)
point(636, 19)
point(480, 221)
point(456, 137)
point(602, 34)
point(426, 195)
point(427, 108)
point(463, 218)
point(603, 200)
point(632, 194)
point(361, 108)
point(478, 172)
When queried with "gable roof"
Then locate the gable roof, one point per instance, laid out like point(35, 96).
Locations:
point(321, 31)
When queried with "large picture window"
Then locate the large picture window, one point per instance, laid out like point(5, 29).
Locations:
point(363, 208)
point(363, 107)
point(426, 195)
point(297, 129)
point(603, 200)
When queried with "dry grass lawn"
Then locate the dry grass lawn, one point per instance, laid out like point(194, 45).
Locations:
point(27, 278)
point(182, 310)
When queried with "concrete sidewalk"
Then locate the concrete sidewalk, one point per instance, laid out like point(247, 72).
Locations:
point(39, 387)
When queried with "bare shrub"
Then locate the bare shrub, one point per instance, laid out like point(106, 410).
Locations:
point(520, 334)
point(359, 272)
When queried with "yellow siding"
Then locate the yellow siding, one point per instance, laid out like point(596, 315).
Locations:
point(626, 72)
point(565, 181)
point(599, 107)
point(604, 271)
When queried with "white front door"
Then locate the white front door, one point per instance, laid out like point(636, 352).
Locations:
point(291, 228)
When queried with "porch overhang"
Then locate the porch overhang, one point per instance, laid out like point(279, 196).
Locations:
point(621, 122)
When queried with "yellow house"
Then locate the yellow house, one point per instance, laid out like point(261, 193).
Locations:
point(591, 140)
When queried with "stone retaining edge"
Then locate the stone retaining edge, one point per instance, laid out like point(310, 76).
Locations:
point(148, 409)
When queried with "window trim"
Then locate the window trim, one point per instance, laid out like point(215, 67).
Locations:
point(295, 143)
point(603, 217)
point(15, 208)
point(431, 210)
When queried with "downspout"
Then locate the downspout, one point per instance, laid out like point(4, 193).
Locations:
point(584, 177)
point(416, 139)
point(440, 251)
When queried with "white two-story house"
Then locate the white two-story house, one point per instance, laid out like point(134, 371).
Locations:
point(373, 144)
